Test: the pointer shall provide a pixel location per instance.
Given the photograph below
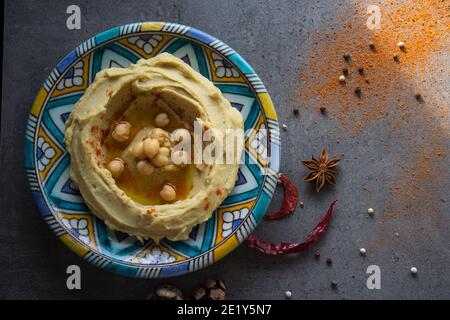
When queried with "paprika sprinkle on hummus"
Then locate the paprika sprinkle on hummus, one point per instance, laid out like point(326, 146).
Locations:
point(129, 138)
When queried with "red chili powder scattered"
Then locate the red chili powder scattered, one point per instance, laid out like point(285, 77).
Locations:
point(388, 90)
point(422, 25)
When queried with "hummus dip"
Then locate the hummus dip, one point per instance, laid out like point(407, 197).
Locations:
point(120, 136)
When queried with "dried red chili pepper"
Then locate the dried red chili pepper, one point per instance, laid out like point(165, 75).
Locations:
point(290, 199)
point(288, 247)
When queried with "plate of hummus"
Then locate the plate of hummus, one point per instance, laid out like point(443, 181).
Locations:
point(152, 149)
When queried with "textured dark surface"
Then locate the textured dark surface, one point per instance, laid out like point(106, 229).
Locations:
point(273, 37)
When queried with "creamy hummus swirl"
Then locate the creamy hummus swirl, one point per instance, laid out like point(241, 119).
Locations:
point(189, 96)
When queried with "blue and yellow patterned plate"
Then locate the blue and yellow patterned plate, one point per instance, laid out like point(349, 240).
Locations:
point(47, 161)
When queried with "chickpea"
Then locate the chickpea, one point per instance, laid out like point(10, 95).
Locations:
point(145, 168)
point(121, 131)
point(180, 158)
point(151, 147)
point(159, 134)
point(138, 150)
point(162, 120)
point(160, 160)
point(164, 151)
point(116, 167)
point(168, 192)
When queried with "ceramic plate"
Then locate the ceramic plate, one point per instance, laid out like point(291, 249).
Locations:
point(47, 161)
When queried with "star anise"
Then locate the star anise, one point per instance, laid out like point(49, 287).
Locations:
point(321, 170)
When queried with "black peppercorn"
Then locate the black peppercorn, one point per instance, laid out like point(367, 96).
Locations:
point(418, 97)
point(329, 261)
point(345, 71)
point(361, 70)
point(346, 57)
point(295, 110)
point(334, 284)
point(323, 110)
point(372, 46)
point(358, 91)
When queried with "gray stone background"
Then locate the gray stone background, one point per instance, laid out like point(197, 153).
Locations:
point(273, 36)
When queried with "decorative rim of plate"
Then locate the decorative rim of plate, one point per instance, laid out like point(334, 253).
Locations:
point(113, 264)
